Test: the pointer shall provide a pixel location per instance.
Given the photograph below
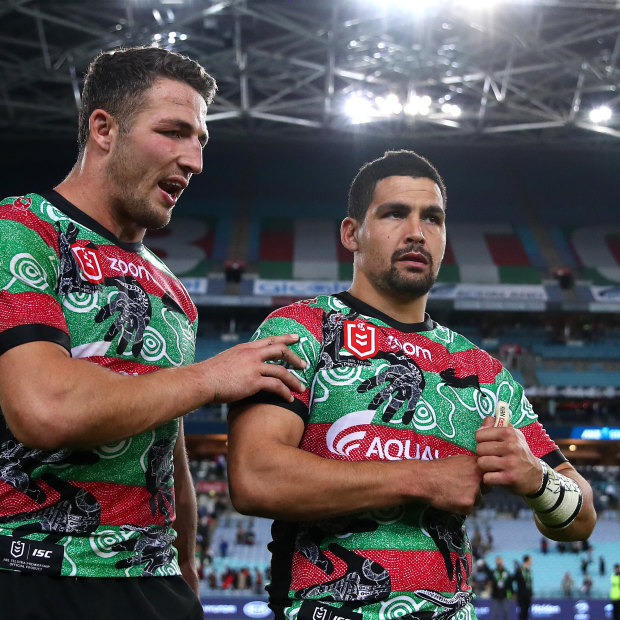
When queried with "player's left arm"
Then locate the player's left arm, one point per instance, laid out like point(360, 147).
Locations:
point(186, 513)
point(562, 504)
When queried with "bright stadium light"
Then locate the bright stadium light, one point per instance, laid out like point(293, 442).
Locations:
point(359, 108)
point(451, 109)
point(418, 105)
point(414, 5)
point(602, 114)
point(387, 106)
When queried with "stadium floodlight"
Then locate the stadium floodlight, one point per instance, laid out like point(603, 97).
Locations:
point(389, 105)
point(478, 4)
point(415, 5)
point(418, 105)
point(451, 109)
point(359, 108)
point(601, 114)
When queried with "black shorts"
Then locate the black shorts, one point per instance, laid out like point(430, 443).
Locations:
point(43, 597)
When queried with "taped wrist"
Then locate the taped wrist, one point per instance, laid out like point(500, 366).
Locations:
point(558, 501)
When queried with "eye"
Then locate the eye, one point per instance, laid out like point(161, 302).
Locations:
point(172, 133)
point(433, 218)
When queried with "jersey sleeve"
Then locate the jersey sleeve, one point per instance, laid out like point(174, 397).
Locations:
point(30, 309)
point(306, 321)
point(523, 417)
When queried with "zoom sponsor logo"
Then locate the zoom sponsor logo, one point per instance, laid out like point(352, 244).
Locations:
point(345, 438)
point(124, 267)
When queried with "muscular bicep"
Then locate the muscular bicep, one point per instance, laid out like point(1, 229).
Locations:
point(30, 374)
point(262, 440)
point(270, 423)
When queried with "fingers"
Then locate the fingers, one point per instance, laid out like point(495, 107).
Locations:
point(277, 386)
point(288, 381)
point(277, 348)
point(488, 422)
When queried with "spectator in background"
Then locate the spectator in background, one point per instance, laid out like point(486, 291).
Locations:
point(614, 593)
point(258, 581)
point(601, 566)
point(223, 548)
point(567, 585)
point(586, 587)
point(501, 591)
point(522, 579)
point(482, 579)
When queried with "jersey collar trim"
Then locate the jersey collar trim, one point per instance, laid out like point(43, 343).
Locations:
point(68, 208)
point(363, 308)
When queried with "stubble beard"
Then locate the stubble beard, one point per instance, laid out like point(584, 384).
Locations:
point(411, 287)
point(125, 175)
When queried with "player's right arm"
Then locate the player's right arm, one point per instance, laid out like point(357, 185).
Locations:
point(270, 476)
point(50, 400)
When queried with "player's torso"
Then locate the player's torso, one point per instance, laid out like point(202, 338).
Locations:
point(109, 507)
point(381, 393)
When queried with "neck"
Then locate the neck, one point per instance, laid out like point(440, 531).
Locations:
point(87, 190)
point(401, 309)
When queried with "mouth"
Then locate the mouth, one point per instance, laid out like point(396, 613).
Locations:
point(413, 260)
point(172, 189)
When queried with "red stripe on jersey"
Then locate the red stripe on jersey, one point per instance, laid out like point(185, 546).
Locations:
point(537, 439)
point(115, 262)
point(120, 504)
point(20, 212)
point(362, 441)
point(30, 308)
point(409, 570)
point(311, 318)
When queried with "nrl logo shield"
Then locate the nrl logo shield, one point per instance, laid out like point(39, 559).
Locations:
point(89, 263)
point(360, 339)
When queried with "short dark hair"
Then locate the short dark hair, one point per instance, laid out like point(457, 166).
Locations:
point(117, 80)
point(393, 163)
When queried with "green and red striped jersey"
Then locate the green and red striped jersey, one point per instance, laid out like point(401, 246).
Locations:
point(107, 511)
point(383, 390)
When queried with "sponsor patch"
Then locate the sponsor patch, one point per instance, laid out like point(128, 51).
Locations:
point(30, 556)
point(315, 610)
point(360, 339)
point(89, 263)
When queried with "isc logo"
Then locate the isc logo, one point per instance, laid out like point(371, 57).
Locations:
point(41, 553)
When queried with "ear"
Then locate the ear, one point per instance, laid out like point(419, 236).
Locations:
point(103, 129)
point(349, 230)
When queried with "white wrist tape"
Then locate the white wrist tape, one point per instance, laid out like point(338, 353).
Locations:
point(558, 501)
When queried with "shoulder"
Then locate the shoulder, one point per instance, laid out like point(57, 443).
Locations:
point(306, 309)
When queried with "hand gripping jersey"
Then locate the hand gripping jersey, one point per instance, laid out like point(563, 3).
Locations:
point(383, 390)
point(104, 512)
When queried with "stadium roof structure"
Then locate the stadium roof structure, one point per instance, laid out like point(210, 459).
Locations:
point(528, 71)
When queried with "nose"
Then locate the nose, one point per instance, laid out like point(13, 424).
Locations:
point(190, 159)
point(414, 230)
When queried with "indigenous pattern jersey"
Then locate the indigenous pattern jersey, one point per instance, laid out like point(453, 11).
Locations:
point(383, 390)
point(108, 511)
